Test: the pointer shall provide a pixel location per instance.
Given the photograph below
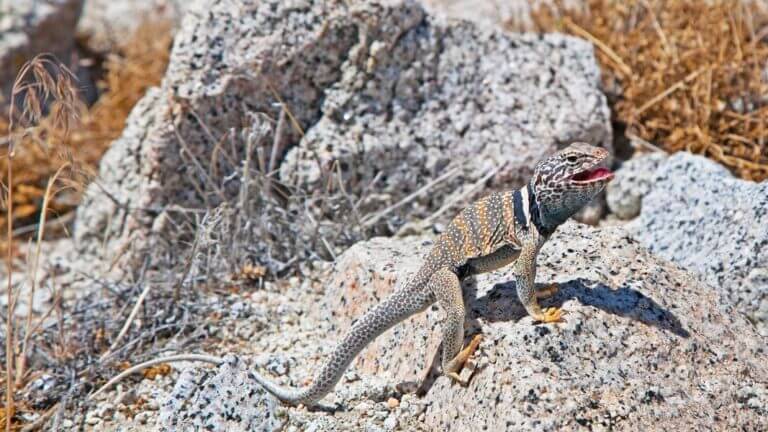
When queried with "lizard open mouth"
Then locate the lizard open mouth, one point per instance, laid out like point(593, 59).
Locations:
point(593, 175)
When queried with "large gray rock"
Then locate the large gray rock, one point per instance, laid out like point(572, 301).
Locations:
point(701, 217)
point(430, 98)
point(646, 345)
point(373, 92)
point(624, 194)
point(31, 27)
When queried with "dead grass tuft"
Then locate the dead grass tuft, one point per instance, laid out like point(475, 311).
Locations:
point(51, 138)
point(691, 74)
point(81, 141)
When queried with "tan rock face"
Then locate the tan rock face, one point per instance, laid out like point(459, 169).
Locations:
point(645, 345)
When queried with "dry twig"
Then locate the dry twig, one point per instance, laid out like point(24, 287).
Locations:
point(146, 364)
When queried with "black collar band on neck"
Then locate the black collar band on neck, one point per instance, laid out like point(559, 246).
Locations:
point(535, 211)
point(521, 219)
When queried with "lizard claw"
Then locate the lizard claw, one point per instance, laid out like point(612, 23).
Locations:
point(457, 378)
point(551, 315)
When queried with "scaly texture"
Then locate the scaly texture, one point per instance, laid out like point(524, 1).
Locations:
point(513, 225)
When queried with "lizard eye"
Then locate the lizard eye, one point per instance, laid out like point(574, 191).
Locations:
point(572, 158)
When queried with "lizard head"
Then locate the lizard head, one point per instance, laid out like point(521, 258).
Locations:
point(568, 180)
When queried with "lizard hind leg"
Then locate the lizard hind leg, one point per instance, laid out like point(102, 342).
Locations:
point(544, 291)
point(447, 290)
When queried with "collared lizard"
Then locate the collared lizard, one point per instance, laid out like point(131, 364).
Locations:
point(497, 230)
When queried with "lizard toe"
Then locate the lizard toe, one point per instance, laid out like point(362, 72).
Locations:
point(551, 315)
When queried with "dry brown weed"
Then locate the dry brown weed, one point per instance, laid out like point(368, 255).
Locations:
point(690, 74)
point(139, 65)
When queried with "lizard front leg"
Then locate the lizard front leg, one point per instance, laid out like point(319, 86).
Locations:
point(447, 290)
point(525, 273)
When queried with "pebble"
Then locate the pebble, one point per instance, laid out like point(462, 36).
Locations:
point(392, 403)
point(105, 410)
point(390, 423)
point(92, 419)
point(372, 427)
point(142, 417)
point(278, 365)
point(364, 406)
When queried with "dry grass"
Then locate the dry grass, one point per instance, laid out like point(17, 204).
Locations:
point(140, 64)
point(690, 73)
point(51, 138)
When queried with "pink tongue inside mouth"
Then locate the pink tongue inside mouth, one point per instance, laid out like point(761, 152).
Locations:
point(595, 174)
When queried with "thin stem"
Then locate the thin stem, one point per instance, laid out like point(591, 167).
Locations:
point(35, 265)
point(9, 391)
point(146, 364)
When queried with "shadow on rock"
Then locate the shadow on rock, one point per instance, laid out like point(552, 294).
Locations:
point(500, 304)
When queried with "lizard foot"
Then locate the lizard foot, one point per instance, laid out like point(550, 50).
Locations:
point(461, 358)
point(456, 377)
point(551, 315)
point(547, 291)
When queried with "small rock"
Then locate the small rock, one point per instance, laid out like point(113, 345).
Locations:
point(106, 25)
point(392, 403)
point(92, 419)
point(224, 398)
point(351, 376)
point(373, 427)
point(390, 423)
point(142, 417)
point(364, 407)
point(105, 410)
point(278, 365)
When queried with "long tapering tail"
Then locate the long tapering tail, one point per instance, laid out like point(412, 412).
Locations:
point(414, 297)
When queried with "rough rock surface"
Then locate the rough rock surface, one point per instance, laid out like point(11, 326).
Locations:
point(452, 96)
point(633, 180)
point(646, 345)
point(408, 93)
point(106, 24)
point(220, 401)
point(701, 217)
point(31, 27)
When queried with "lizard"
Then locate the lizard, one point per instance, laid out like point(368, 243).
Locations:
point(497, 230)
